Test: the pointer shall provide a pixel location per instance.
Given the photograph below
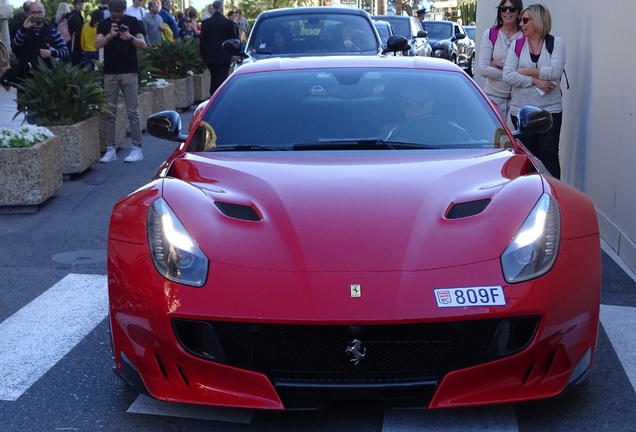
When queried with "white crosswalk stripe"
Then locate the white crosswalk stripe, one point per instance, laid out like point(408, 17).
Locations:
point(499, 418)
point(146, 405)
point(619, 323)
point(36, 337)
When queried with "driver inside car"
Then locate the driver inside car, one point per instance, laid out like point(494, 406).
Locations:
point(414, 104)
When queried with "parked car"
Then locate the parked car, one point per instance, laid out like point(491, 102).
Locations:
point(411, 29)
point(470, 32)
point(450, 42)
point(310, 31)
point(384, 30)
point(376, 232)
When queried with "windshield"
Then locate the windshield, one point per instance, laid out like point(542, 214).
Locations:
point(344, 108)
point(439, 30)
point(319, 34)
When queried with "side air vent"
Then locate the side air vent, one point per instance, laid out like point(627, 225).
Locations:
point(466, 209)
point(238, 211)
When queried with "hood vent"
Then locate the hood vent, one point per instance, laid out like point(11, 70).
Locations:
point(467, 209)
point(238, 211)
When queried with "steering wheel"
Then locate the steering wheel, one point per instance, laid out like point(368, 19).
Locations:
point(429, 129)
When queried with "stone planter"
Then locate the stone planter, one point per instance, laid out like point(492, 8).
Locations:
point(30, 176)
point(80, 146)
point(163, 98)
point(201, 87)
point(183, 93)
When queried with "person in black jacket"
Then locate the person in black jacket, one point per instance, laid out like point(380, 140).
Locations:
point(214, 31)
point(75, 25)
point(37, 39)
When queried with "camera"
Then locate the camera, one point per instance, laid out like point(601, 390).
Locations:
point(37, 19)
point(123, 28)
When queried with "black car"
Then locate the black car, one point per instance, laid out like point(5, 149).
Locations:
point(411, 28)
point(384, 30)
point(450, 42)
point(311, 31)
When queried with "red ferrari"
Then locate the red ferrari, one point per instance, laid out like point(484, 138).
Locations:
point(352, 229)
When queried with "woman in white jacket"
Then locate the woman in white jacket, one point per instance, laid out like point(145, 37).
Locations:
point(535, 76)
point(492, 55)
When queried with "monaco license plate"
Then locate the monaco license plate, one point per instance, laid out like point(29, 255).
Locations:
point(467, 297)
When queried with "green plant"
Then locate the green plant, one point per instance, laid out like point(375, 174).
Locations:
point(174, 60)
point(61, 95)
point(24, 136)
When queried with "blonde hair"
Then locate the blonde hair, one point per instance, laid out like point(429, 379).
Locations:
point(540, 18)
point(62, 9)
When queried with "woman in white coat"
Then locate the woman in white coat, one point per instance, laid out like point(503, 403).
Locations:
point(534, 71)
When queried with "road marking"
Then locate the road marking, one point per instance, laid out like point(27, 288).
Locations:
point(37, 336)
point(495, 418)
point(147, 405)
point(619, 322)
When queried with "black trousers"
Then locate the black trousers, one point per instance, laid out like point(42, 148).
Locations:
point(545, 146)
point(218, 73)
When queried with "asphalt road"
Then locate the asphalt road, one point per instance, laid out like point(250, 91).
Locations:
point(55, 358)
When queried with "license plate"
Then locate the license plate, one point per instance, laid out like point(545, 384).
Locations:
point(467, 297)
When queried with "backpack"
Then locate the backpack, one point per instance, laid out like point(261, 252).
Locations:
point(549, 45)
point(62, 27)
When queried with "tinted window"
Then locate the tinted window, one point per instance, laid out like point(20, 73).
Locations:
point(349, 104)
point(319, 34)
point(439, 30)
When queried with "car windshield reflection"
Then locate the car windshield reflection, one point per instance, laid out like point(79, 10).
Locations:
point(349, 109)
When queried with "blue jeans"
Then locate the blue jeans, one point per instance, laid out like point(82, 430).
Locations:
point(127, 84)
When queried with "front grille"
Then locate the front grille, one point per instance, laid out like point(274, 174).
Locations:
point(315, 355)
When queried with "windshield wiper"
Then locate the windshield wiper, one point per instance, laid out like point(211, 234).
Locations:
point(246, 147)
point(346, 144)
point(362, 144)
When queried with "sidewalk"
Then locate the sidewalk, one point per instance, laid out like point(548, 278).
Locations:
point(8, 109)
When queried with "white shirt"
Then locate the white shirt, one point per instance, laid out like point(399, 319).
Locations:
point(137, 12)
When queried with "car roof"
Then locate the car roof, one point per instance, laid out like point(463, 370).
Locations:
point(287, 63)
point(312, 10)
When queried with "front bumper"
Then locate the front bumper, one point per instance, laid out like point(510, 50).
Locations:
point(175, 363)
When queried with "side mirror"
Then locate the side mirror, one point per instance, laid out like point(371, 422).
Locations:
point(532, 121)
point(396, 43)
point(232, 47)
point(166, 125)
point(422, 34)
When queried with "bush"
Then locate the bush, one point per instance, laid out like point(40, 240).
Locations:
point(174, 60)
point(61, 95)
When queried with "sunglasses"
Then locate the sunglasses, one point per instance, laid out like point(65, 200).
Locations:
point(411, 103)
point(510, 9)
point(525, 20)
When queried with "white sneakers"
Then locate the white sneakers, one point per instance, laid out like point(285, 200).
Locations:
point(110, 155)
point(135, 155)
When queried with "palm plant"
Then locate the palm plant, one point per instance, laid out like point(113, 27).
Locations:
point(60, 95)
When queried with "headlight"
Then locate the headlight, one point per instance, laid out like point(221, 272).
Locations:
point(534, 248)
point(174, 253)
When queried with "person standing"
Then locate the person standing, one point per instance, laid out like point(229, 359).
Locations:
point(136, 10)
point(243, 24)
point(153, 22)
point(89, 34)
point(166, 15)
point(75, 24)
point(492, 56)
point(63, 9)
point(37, 39)
point(103, 6)
point(535, 76)
point(121, 36)
point(421, 16)
point(214, 31)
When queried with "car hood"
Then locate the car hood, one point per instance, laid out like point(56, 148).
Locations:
point(347, 211)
